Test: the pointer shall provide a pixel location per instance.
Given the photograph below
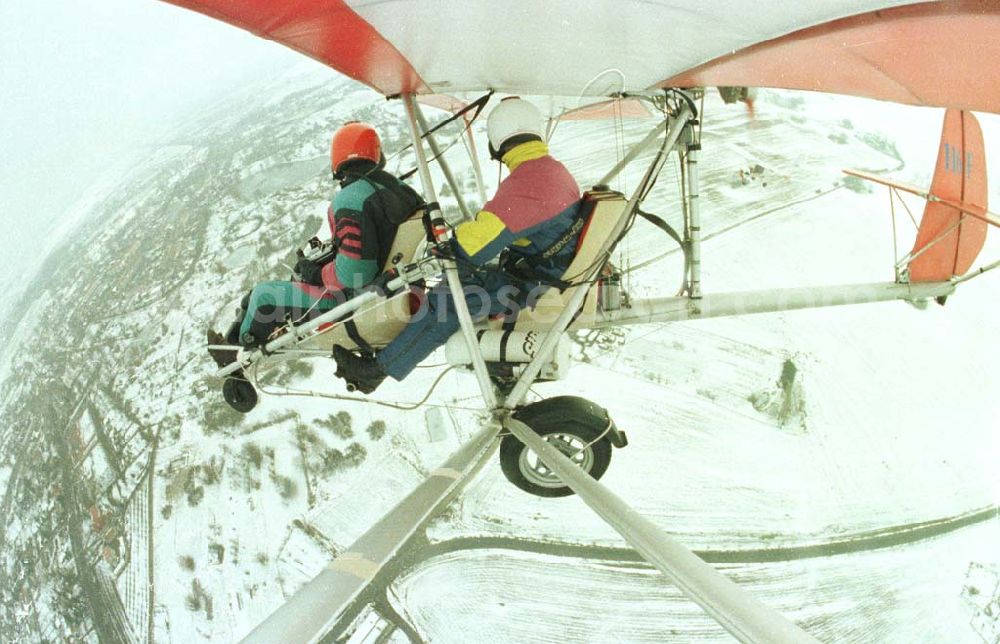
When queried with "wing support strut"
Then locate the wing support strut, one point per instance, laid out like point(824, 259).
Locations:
point(635, 151)
point(443, 233)
point(746, 618)
point(318, 609)
point(692, 229)
point(456, 190)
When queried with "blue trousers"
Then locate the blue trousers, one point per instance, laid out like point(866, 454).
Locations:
point(487, 294)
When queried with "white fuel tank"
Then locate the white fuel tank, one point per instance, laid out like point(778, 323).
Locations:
point(511, 347)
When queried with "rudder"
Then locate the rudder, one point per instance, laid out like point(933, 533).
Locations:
point(948, 241)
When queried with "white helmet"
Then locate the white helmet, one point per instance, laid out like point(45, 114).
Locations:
point(512, 117)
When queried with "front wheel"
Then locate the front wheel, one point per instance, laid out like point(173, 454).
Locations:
point(582, 436)
point(239, 393)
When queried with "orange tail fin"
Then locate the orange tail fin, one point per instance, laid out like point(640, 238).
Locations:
point(949, 240)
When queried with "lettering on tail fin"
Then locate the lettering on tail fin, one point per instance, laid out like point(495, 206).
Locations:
point(948, 240)
point(954, 163)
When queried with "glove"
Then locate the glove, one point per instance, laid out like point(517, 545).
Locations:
point(309, 272)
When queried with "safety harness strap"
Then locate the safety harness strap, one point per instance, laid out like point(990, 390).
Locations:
point(477, 105)
point(533, 267)
point(355, 335)
point(661, 224)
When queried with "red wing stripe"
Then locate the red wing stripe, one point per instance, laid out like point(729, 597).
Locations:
point(920, 54)
point(330, 32)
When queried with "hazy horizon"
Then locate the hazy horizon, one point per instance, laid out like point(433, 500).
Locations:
point(90, 84)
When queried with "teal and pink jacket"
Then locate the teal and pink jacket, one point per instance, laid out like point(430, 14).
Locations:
point(363, 220)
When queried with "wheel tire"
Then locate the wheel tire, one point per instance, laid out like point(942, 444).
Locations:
point(522, 467)
point(240, 394)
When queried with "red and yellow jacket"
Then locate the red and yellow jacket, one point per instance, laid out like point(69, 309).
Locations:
point(533, 207)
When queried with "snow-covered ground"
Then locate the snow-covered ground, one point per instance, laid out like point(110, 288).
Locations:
point(917, 593)
point(887, 417)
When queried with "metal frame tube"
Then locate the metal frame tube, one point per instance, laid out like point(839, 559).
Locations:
point(442, 163)
point(316, 608)
point(976, 273)
point(947, 231)
point(532, 369)
point(477, 168)
point(298, 333)
point(737, 611)
point(426, 269)
point(895, 242)
point(636, 150)
point(450, 269)
point(676, 309)
point(694, 213)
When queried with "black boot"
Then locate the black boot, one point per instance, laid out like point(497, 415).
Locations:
point(222, 357)
point(361, 373)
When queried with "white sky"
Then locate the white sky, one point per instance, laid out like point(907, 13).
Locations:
point(84, 83)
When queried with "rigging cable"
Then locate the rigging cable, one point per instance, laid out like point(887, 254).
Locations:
point(478, 104)
point(402, 406)
point(595, 266)
point(748, 220)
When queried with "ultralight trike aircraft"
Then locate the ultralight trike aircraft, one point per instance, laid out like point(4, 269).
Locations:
point(664, 55)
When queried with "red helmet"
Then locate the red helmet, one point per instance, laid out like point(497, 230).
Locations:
point(352, 141)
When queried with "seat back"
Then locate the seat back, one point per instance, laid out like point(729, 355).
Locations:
point(407, 242)
point(607, 208)
point(381, 322)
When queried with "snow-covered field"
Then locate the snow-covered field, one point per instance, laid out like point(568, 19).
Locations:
point(917, 593)
point(773, 430)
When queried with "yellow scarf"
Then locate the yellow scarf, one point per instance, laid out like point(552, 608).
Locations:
point(525, 152)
